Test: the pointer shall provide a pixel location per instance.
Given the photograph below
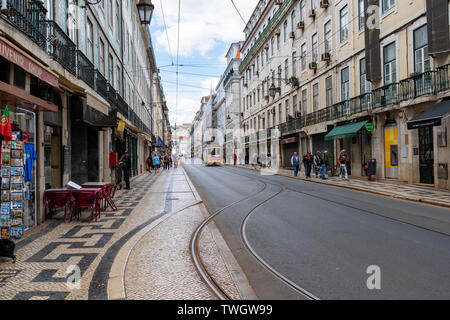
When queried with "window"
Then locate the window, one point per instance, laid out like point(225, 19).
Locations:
point(344, 24)
point(387, 5)
point(288, 111)
point(315, 49)
point(364, 85)
point(293, 21)
point(286, 69)
point(303, 10)
point(273, 118)
point(110, 13)
point(313, 4)
point(328, 37)
point(278, 42)
point(90, 40)
point(279, 76)
point(294, 105)
point(280, 112)
point(72, 20)
point(111, 69)
point(118, 80)
point(303, 48)
point(345, 84)
point(272, 42)
point(304, 102)
point(329, 90)
point(316, 97)
point(285, 26)
point(101, 56)
point(422, 61)
point(117, 20)
point(294, 64)
point(361, 14)
point(389, 63)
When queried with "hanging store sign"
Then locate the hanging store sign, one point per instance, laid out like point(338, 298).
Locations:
point(121, 126)
point(27, 64)
point(370, 127)
point(289, 140)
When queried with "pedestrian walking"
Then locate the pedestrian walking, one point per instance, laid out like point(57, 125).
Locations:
point(156, 162)
point(255, 162)
point(149, 163)
point(307, 162)
point(269, 161)
point(234, 159)
point(342, 161)
point(324, 164)
point(175, 161)
point(125, 161)
point(295, 161)
point(317, 163)
point(166, 162)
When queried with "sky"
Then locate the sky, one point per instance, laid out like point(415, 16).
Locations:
point(207, 29)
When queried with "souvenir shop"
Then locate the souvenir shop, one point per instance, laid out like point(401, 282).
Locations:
point(18, 171)
point(25, 85)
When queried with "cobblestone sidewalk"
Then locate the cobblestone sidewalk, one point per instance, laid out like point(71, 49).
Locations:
point(158, 267)
point(427, 195)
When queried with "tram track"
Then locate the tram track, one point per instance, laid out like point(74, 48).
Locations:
point(202, 270)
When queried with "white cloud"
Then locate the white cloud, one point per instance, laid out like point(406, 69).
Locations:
point(206, 25)
point(203, 24)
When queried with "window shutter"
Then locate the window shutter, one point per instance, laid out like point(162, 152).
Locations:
point(437, 25)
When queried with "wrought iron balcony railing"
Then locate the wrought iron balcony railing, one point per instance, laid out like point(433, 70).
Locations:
point(61, 48)
point(417, 85)
point(29, 17)
point(442, 78)
point(120, 104)
point(85, 69)
point(101, 84)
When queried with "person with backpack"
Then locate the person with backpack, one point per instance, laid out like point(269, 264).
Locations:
point(307, 162)
point(342, 161)
point(317, 163)
point(149, 163)
point(295, 161)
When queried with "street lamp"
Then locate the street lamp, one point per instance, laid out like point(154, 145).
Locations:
point(273, 90)
point(145, 9)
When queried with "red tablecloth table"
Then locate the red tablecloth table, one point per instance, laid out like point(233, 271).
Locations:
point(85, 197)
point(58, 198)
point(105, 186)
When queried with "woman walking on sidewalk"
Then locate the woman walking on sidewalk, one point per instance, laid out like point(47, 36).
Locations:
point(342, 161)
point(295, 161)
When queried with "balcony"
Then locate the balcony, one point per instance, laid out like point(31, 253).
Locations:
point(61, 48)
point(442, 78)
point(360, 103)
point(385, 95)
point(120, 104)
point(101, 84)
point(417, 85)
point(29, 17)
point(85, 69)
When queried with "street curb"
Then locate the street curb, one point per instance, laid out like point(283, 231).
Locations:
point(234, 268)
point(421, 201)
point(116, 281)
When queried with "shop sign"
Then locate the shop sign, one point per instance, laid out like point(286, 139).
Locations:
point(121, 126)
point(289, 140)
point(370, 127)
point(29, 66)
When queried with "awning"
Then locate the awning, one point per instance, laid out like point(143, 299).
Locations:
point(344, 132)
point(431, 117)
point(16, 96)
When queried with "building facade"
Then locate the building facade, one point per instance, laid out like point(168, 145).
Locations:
point(70, 73)
point(349, 74)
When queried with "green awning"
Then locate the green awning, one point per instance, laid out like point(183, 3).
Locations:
point(344, 132)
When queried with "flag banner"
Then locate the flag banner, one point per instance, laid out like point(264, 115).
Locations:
point(5, 125)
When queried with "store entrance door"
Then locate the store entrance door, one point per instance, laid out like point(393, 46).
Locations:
point(52, 157)
point(426, 155)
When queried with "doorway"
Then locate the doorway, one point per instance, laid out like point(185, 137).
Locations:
point(52, 157)
point(426, 155)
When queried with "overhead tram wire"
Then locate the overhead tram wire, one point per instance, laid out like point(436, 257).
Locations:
point(178, 56)
point(240, 15)
point(167, 32)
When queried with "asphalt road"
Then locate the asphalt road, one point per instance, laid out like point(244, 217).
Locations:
point(324, 238)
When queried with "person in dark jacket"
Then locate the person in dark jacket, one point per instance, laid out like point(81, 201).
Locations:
point(343, 160)
point(317, 163)
point(307, 162)
point(125, 161)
